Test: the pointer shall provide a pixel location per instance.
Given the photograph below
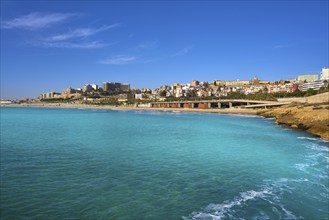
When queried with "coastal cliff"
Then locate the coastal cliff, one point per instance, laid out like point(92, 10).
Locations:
point(313, 118)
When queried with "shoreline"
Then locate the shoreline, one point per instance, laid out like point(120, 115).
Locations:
point(130, 108)
point(305, 122)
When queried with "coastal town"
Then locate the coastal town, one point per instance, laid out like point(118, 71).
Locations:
point(300, 103)
point(116, 93)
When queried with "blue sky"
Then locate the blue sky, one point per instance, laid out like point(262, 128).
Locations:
point(52, 45)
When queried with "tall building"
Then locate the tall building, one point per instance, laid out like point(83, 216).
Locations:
point(324, 74)
point(115, 86)
point(307, 78)
point(107, 86)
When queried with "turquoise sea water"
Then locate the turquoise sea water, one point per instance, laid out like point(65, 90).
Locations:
point(103, 164)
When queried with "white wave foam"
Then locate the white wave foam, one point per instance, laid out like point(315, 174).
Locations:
point(268, 119)
point(271, 194)
point(318, 147)
point(285, 180)
point(314, 139)
point(288, 214)
point(301, 166)
point(309, 138)
point(218, 211)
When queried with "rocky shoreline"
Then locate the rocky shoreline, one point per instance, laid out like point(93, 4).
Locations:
point(312, 118)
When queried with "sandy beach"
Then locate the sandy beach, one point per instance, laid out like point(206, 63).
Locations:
point(310, 119)
point(132, 108)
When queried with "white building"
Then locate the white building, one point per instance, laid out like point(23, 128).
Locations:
point(94, 86)
point(324, 74)
point(139, 96)
point(316, 85)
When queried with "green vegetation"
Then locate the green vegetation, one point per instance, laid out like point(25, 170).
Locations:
point(185, 98)
point(56, 100)
point(163, 93)
point(257, 96)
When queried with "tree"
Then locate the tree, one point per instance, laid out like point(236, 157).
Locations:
point(163, 93)
point(191, 93)
point(265, 90)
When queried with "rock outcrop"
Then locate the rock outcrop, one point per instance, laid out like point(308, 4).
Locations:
point(313, 118)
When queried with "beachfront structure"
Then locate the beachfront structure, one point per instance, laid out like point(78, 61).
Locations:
point(307, 78)
point(324, 74)
point(316, 85)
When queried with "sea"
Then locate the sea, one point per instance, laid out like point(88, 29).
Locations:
point(107, 164)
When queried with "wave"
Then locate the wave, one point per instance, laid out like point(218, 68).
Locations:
point(218, 211)
point(268, 119)
point(268, 201)
point(318, 148)
point(314, 139)
point(229, 209)
point(302, 166)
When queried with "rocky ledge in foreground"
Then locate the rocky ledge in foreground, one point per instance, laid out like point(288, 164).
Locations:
point(313, 118)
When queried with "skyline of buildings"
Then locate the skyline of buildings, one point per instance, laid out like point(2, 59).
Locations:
point(216, 88)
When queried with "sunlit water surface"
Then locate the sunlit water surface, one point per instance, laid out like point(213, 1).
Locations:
point(103, 164)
